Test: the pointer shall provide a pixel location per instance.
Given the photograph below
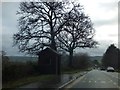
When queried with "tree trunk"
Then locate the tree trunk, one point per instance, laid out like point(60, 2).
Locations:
point(71, 58)
point(53, 43)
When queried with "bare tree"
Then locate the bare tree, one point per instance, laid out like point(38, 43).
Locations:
point(77, 32)
point(51, 24)
point(39, 24)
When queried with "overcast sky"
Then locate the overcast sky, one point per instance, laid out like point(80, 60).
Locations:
point(103, 13)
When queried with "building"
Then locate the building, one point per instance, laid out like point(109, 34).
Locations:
point(49, 61)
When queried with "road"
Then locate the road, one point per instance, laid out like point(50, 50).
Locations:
point(97, 79)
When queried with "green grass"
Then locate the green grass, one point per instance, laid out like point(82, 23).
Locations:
point(41, 78)
point(27, 80)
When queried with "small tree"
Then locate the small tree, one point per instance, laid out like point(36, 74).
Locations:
point(77, 32)
point(5, 59)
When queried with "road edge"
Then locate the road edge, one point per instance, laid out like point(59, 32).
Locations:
point(76, 77)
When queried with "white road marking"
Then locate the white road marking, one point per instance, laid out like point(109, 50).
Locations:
point(111, 80)
point(99, 78)
point(115, 77)
point(103, 82)
point(89, 81)
point(95, 81)
point(114, 83)
point(112, 75)
point(79, 79)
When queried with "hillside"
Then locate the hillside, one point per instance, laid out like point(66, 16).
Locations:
point(99, 58)
point(96, 57)
point(22, 58)
point(26, 58)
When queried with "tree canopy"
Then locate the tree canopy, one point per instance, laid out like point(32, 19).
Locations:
point(39, 23)
point(77, 32)
point(110, 57)
point(54, 24)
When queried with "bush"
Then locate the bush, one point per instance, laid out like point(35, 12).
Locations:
point(17, 70)
point(81, 60)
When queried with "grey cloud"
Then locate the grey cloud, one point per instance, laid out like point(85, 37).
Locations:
point(99, 51)
point(119, 13)
point(99, 23)
point(113, 35)
point(9, 27)
point(108, 6)
point(7, 45)
point(9, 17)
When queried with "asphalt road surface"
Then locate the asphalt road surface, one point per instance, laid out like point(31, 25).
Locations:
point(97, 79)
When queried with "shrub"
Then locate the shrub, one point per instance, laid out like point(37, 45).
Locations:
point(17, 70)
point(81, 60)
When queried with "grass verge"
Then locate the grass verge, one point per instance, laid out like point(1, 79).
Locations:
point(27, 80)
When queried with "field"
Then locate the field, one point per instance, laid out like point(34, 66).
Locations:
point(22, 58)
point(26, 58)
